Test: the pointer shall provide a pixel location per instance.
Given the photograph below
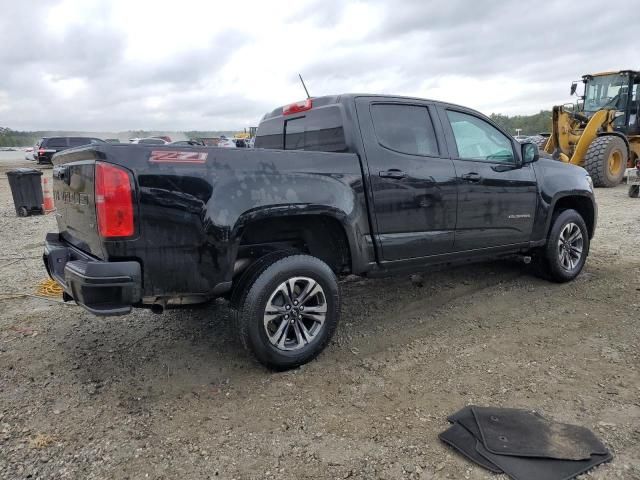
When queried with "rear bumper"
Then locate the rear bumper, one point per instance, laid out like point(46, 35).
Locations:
point(102, 288)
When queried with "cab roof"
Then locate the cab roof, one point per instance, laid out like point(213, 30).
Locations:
point(335, 99)
point(602, 74)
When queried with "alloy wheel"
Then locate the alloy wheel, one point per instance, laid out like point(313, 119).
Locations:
point(570, 246)
point(295, 313)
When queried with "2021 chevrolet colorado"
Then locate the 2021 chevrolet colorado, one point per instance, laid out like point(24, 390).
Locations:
point(362, 184)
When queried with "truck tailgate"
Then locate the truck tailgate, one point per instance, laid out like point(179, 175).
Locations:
point(74, 197)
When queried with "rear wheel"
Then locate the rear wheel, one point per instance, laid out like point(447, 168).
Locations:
point(288, 308)
point(606, 160)
point(567, 248)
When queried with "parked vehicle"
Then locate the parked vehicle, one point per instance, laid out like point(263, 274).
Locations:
point(210, 141)
point(188, 143)
point(225, 142)
point(148, 141)
point(29, 153)
point(350, 184)
point(49, 146)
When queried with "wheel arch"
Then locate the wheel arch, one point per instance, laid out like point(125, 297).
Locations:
point(583, 204)
point(324, 232)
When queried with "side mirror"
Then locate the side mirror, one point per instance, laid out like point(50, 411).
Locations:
point(574, 87)
point(530, 153)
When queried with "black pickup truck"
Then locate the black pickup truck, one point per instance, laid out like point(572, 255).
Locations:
point(360, 184)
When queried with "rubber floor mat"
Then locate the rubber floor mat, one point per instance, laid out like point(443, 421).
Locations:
point(527, 468)
point(463, 441)
point(466, 418)
point(523, 433)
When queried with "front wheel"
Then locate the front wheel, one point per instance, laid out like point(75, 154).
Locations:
point(606, 160)
point(567, 247)
point(288, 309)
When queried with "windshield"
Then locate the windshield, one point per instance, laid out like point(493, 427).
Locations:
point(606, 91)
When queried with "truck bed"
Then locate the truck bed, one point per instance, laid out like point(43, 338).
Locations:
point(190, 205)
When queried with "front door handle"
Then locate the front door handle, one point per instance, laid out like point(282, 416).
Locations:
point(393, 173)
point(472, 177)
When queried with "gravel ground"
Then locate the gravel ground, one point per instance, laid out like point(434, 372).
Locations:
point(174, 396)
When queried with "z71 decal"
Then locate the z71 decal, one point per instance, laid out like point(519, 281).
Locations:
point(165, 156)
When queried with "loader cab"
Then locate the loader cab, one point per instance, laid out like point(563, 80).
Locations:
point(614, 90)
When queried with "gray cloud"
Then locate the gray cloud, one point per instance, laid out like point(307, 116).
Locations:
point(416, 48)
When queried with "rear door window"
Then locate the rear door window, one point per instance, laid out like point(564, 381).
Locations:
point(405, 129)
point(319, 130)
point(270, 134)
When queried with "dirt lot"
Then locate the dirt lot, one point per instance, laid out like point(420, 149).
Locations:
point(174, 396)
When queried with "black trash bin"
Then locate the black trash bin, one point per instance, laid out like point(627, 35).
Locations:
point(26, 190)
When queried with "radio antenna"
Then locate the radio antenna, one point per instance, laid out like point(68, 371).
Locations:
point(304, 86)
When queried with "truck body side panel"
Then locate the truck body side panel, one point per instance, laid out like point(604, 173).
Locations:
point(191, 214)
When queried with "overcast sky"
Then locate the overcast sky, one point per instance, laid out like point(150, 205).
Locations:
point(127, 64)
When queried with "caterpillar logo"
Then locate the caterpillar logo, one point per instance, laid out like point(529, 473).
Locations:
point(165, 156)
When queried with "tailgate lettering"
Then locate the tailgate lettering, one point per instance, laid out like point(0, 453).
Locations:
point(72, 198)
point(164, 156)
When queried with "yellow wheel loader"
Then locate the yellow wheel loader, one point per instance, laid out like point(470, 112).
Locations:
point(602, 131)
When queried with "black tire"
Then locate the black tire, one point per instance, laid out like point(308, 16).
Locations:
point(539, 141)
point(597, 160)
point(634, 191)
point(550, 263)
point(257, 287)
point(23, 212)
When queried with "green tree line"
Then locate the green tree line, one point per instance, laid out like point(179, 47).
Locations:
point(529, 124)
point(12, 138)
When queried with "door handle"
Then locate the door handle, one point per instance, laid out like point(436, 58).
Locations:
point(472, 177)
point(393, 173)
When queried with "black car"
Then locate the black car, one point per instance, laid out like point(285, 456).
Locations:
point(48, 146)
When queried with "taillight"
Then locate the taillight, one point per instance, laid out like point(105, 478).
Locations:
point(41, 151)
point(298, 107)
point(114, 201)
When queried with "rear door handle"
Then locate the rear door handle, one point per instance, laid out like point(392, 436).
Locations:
point(472, 177)
point(393, 173)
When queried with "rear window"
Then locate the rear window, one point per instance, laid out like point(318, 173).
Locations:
point(270, 134)
point(320, 129)
point(56, 142)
